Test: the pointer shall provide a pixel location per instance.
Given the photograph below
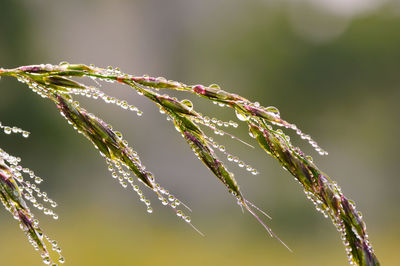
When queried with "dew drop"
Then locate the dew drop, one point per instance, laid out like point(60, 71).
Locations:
point(309, 158)
point(215, 86)
point(273, 110)
point(251, 134)
point(241, 116)
point(7, 130)
point(46, 260)
point(188, 103)
point(25, 134)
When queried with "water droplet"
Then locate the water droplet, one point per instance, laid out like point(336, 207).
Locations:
point(215, 86)
point(25, 134)
point(119, 134)
point(273, 110)
point(61, 260)
point(309, 158)
point(188, 103)
point(7, 130)
point(46, 260)
point(251, 134)
point(241, 116)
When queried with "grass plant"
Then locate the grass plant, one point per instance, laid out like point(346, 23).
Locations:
point(59, 83)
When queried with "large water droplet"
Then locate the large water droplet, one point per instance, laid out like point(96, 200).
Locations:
point(241, 116)
point(188, 103)
point(215, 86)
point(273, 110)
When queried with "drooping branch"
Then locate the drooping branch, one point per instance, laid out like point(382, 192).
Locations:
point(54, 82)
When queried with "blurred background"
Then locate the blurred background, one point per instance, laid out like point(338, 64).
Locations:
point(330, 66)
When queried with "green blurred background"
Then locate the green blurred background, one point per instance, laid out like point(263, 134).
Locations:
point(331, 67)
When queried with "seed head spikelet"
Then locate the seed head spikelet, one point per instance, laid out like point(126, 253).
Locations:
point(13, 189)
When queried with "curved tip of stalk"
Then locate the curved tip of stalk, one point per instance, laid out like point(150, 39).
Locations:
point(187, 207)
point(197, 230)
point(245, 143)
point(245, 203)
point(258, 209)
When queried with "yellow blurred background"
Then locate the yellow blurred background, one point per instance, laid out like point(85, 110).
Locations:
point(331, 67)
